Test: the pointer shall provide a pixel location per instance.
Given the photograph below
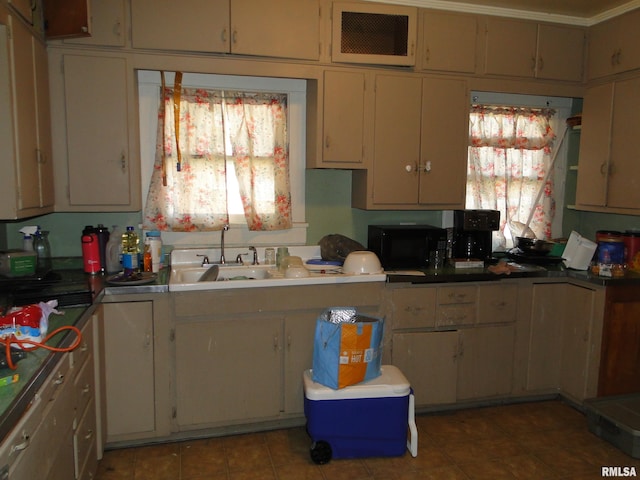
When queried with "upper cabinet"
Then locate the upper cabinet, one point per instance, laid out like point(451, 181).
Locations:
point(107, 24)
point(27, 180)
point(280, 28)
point(419, 145)
point(613, 46)
point(373, 33)
point(522, 48)
point(94, 125)
point(68, 18)
point(608, 167)
point(449, 41)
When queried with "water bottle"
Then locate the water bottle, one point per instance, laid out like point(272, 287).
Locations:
point(130, 252)
point(90, 250)
point(42, 249)
point(103, 238)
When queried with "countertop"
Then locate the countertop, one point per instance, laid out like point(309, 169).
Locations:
point(33, 370)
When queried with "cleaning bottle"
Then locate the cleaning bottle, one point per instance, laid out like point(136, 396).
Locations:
point(113, 250)
point(27, 240)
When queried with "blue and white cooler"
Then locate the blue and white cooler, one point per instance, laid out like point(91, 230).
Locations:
point(369, 419)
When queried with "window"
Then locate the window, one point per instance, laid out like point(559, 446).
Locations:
point(195, 88)
point(512, 167)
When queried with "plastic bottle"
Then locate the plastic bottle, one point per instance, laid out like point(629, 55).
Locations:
point(152, 251)
point(90, 250)
point(130, 252)
point(114, 250)
point(43, 249)
point(27, 239)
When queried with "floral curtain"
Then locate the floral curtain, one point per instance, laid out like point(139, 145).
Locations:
point(509, 161)
point(204, 137)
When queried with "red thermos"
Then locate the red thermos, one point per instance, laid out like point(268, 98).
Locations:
point(90, 250)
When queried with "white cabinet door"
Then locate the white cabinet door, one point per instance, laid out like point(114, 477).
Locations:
point(129, 368)
point(298, 357)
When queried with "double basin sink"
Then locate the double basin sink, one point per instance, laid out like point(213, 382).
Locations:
point(188, 273)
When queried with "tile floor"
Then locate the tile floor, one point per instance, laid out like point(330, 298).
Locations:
point(542, 441)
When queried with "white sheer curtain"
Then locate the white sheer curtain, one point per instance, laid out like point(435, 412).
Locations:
point(204, 137)
point(509, 158)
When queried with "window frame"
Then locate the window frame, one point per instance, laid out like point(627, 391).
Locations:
point(149, 84)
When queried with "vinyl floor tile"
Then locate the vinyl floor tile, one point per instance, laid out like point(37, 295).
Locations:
point(530, 441)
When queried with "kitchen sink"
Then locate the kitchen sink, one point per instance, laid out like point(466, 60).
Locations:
point(225, 273)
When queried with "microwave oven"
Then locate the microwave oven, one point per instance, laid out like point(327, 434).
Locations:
point(406, 246)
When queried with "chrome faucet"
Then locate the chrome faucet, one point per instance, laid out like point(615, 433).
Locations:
point(255, 255)
point(225, 227)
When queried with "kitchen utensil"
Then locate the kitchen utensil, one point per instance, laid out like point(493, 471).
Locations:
point(362, 262)
point(534, 246)
point(296, 271)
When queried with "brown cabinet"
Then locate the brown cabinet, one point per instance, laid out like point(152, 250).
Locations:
point(613, 46)
point(281, 28)
point(620, 356)
point(449, 41)
point(67, 18)
point(27, 180)
point(608, 167)
point(419, 145)
point(522, 48)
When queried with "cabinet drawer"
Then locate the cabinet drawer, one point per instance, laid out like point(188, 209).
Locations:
point(457, 294)
point(84, 442)
point(414, 308)
point(80, 355)
point(454, 315)
point(497, 304)
point(83, 386)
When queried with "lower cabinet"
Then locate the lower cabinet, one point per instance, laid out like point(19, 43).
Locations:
point(135, 371)
point(241, 362)
point(564, 337)
point(454, 342)
point(56, 439)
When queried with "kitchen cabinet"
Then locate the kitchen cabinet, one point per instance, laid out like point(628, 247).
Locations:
point(375, 34)
point(620, 362)
point(522, 48)
point(27, 181)
point(243, 27)
point(227, 350)
point(564, 336)
point(454, 342)
point(267, 342)
point(67, 18)
point(134, 330)
point(419, 146)
point(107, 25)
point(94, 127)
point(613, 46)
point(343, 119)
point(56, 437)
point(129, 366)
point(449, 41)
point(608, 173)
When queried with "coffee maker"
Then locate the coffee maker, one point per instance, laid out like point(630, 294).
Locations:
point(472, 232)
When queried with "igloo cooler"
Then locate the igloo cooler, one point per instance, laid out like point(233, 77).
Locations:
point(370, 419)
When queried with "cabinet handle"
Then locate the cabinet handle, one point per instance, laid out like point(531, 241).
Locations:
point(26, 439)
point(88, 435)
point(412, 168)
point(427, 167)
point(147, 340)
point(86, 389)
point(618, 55)
point(117, 28)
point(540, 64)
point(533, 63)
point(235, 37)
point(275, 343)
point(327, 142)
point(603, 168)
point(59, 380)
point(224, 35)
point(84, 29)
point(427, 55)
point(84, 347)
point(123, 162)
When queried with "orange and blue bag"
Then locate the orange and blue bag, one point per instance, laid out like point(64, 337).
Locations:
point(347, 348)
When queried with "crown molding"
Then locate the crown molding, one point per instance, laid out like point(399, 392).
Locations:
point(515, 13)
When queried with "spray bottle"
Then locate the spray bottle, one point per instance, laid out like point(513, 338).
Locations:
point(27, 240)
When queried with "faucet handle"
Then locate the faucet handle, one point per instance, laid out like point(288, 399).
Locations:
point(239, 258)
point(205, 260)
point(255, 255)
